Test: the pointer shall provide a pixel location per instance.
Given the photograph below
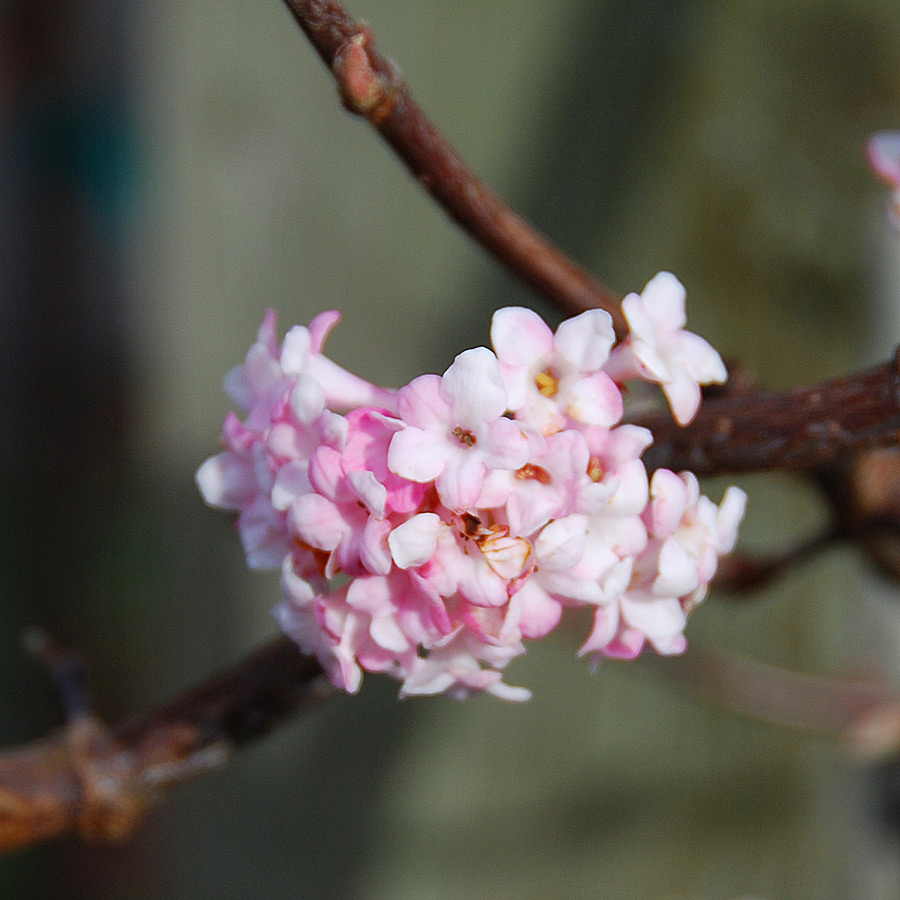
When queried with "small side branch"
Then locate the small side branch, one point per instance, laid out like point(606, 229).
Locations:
point(371, 86)
point(865, 714)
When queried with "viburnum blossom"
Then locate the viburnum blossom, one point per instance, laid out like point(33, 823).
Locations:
point(659, 350)
point(427, 533)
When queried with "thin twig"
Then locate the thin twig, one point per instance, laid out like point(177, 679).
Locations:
point(865, 713)
point(371, 86)
point(740, 573)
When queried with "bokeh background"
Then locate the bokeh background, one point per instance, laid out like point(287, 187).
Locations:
point(168, 170)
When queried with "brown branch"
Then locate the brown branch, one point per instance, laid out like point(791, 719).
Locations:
point(101, 782)
point(802, 429)
point(371, 86)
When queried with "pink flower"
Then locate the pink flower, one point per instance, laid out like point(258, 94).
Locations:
point(544, 488)
point(883, 151)
point(464, 558)
point(550, 377)
point(453, 666)
point(366, 451)
point(455, 429)
point(659, 350)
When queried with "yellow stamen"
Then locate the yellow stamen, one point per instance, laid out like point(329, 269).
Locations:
point(595, 469)
point(547, 382)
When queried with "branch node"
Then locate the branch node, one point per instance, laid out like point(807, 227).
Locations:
point(364, 90)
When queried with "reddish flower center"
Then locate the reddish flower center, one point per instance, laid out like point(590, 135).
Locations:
point(530, 472)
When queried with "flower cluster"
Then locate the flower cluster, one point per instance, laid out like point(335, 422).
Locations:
point(427, 532)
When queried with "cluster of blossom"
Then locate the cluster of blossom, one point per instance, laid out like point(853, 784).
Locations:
point(883, 150)
point(427, 532)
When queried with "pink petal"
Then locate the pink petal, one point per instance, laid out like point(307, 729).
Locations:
point(416, 454)
point(226, 481)
point(606, 623)
point(317, 522)
point(422, 404)
point(459, 485)
point(595, 400)
point(373, 494)
point(321, 327)
point(520, 337)
point(374, 552)
point(504, 445)
point(537, 613)
point(291, 482)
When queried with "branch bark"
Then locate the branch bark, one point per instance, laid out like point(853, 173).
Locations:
point(101, 782)
point(801, 429)
point(371, 86)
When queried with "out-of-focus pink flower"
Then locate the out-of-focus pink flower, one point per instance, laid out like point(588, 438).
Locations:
point(883, 151)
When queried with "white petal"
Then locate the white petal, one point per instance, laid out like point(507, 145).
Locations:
point(415, 541)
point(677, 571)
point(295, 350)
point(658, 618)
point(560, 545)
point(416, 455)
point(473, 388)
point(595, 400)
point(307, 399)
point(373, 494)
point(585, 340)
point(664, 299)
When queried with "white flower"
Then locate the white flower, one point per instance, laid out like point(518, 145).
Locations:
point(660, 350)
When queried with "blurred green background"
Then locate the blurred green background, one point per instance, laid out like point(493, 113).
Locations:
point(170, 170)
